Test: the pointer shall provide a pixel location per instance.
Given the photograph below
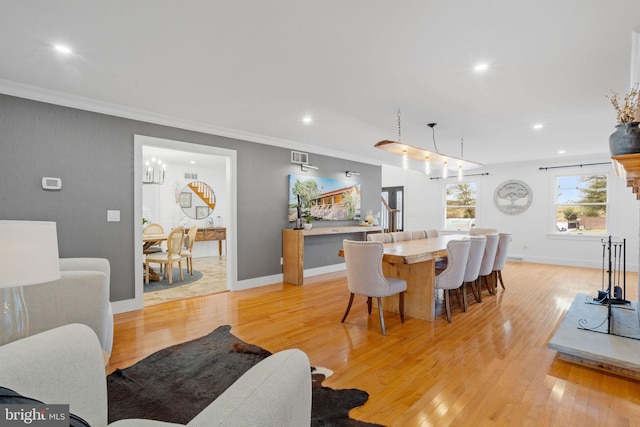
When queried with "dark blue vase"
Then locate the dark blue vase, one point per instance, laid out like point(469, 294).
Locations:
point(625, 140)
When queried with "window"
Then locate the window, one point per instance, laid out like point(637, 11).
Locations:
point(581, 204)
point(461, 206)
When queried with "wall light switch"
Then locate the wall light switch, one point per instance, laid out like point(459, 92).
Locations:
point(51, 183)
point(113, 215)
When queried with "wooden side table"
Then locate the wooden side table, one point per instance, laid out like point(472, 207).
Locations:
point(213, 233)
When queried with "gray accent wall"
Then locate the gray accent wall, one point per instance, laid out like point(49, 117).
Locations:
point(93, 154)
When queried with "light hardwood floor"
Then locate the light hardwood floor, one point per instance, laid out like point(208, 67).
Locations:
point(489, 367)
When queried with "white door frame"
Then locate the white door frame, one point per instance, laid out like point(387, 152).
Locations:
point(137, 302)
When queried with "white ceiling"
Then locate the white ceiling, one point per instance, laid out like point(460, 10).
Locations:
point(255, 68)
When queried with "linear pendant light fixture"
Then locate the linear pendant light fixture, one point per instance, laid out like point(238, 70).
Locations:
point(432, 159)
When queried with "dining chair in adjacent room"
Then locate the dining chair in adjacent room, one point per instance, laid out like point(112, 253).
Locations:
point(153, 229)
point(400, 236)
point(480, 231)
point(501, 258)
point(432, 233)
point(489, 257)
point(418, 234)
point(364, 277)
point(174, 247)
point(472, 271)
point(453, 276)
point(187, 252)
point(379, 237)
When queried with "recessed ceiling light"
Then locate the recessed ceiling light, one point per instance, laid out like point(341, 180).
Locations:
point(193, 162)
point(62, 49)
point(481, 67)
point(538, 126)
point(562, 151)
point(307, 120)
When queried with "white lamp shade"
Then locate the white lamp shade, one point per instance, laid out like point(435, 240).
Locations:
point(28, 253)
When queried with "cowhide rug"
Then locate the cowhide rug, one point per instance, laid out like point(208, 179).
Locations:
point(178, 382)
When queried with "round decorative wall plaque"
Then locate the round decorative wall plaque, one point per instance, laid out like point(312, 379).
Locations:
point(512, 197)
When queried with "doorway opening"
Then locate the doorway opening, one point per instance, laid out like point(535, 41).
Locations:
point(393, 208)
point(176, 200)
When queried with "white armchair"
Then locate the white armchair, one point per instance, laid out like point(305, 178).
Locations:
point(81, 295)
point(65, 366)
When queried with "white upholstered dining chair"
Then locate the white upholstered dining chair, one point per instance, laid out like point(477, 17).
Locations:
point(501, 258)
point(379, 237)
point(400, 236)
point(364, 277)
point(452, 277)
point(472, 271)
point(418, 234)
point(174, 247)
point(480, 231)
point(488, 259)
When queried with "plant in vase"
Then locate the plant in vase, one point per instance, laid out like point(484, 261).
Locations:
point(308, 225)
point(626, 138)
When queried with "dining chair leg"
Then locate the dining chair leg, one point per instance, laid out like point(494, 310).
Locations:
point(458, 298)
point(464, 297)
point(169, 270)
point(384, 332)
point(180, 267)
point(447, 303)
point(369, 305)
point(348, 308)
point(475, 292)
point(500, 277)
point(146, 276)
point(487, 284)
point(478, 287)
point(402, 306)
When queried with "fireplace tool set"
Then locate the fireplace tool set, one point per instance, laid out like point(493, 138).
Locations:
point(614, 284)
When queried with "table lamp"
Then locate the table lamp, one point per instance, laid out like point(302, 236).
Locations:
point(28, 256)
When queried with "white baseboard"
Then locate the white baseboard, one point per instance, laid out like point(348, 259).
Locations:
point(324, 270)
point(631, 267)
point(126, 305)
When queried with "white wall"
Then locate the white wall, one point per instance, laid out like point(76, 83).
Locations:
point(533, 236)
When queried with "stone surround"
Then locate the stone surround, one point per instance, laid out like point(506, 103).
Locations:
point(617, 354)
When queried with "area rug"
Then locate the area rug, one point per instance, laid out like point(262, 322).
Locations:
point(177, 383)
point(164, 283)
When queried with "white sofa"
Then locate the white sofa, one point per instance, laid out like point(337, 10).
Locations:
point(65, 366)
point(81, 295)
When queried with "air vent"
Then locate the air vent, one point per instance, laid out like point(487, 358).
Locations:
point(190, 176)
point(299, 157)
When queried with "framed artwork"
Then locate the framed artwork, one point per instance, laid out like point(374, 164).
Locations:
point(185, 199)
point(202, 212)
point(324, 199)
point(513, 197)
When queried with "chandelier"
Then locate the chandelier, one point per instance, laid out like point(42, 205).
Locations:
point(154, 171)
point(430, 159)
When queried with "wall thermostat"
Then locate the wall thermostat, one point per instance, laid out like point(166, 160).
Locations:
point(49, 183)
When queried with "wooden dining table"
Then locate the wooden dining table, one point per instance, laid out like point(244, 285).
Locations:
point(414, 261)
point(149, 240)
